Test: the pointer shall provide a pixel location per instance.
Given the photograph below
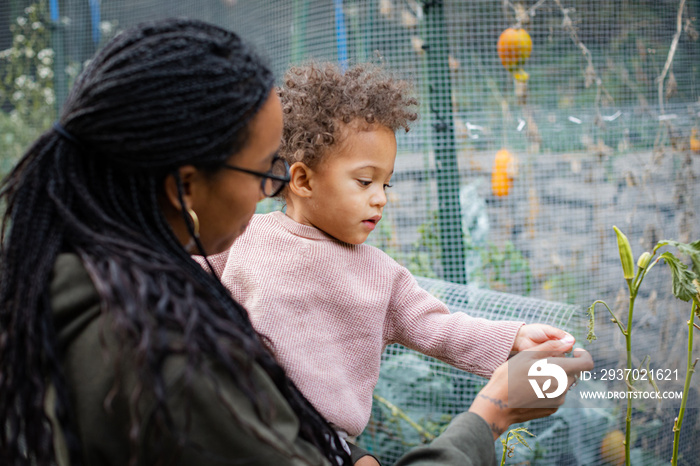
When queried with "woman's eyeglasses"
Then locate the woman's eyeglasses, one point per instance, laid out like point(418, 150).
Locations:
point(274, 180)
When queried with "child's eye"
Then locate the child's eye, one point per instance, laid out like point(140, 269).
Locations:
point(364, 182)
point(387, 186)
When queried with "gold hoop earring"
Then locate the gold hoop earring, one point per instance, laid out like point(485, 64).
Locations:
point(192, 243)
point(195, 221)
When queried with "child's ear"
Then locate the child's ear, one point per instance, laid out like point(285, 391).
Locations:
point(300, 179)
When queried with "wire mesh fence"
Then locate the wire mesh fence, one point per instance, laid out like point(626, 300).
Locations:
point(417, 396)
point(506, 185)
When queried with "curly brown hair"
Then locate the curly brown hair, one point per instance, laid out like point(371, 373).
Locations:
point(319, 99)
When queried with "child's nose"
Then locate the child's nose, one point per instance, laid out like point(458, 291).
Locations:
point(379, 198)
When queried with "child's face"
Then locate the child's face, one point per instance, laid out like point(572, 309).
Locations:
point(349, 185)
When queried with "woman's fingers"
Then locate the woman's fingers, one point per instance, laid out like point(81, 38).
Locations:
point(532, 384)
point(582, 361)
point(541, 377)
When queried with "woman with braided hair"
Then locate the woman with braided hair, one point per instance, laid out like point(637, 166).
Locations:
point(117, 348)
point(102, 308)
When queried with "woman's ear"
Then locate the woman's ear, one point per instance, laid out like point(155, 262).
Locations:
point(188, 176)
point(300, 179)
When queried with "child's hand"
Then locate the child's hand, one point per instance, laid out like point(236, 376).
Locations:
point(534, 334)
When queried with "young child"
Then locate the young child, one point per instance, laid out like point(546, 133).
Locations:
point(343, 301)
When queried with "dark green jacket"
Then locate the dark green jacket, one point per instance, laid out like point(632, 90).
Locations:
point(218, 435)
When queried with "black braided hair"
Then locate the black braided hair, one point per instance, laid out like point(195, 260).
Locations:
point(159, 96)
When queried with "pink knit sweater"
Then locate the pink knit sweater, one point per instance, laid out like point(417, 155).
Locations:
point(330, 308)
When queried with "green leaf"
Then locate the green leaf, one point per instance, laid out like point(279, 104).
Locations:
point(692, 250)
point(683, 287)
point(522, 440)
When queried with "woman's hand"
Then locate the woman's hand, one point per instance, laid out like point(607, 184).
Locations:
point(509, 398)
point(532, 335)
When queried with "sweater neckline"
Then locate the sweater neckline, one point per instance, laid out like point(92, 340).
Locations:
point(299, 229)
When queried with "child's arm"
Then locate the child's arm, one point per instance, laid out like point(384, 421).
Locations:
point(418, 320)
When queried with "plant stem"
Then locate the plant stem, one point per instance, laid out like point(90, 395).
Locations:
point(614, 317)
point(688, 374)
point(505, 450)
point(628, 342)
point(671, 53)
point(633, 284)
point(397, 412)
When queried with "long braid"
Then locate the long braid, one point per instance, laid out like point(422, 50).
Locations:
point(157, 97)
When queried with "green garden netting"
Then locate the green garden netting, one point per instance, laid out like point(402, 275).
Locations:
point(604, 133)
point(417, 396)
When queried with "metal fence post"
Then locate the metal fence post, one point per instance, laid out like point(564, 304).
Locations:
point(300, 13)
point(59, 65)
point(440, 92)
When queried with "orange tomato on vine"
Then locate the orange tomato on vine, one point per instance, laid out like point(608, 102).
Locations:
point(514, 47)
